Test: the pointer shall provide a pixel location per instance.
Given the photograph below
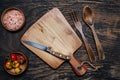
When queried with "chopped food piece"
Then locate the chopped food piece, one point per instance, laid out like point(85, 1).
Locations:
point(18, 70)
point(15, 64)
point(8, 65)
point(12, 70)
point(20, 59)
point(13, 57)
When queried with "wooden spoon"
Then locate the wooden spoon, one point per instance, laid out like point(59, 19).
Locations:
point(88, 17)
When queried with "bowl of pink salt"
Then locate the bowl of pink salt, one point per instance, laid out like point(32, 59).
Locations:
point(13, 19)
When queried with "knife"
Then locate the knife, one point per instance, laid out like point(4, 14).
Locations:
point(77, 66)
point(47, 49)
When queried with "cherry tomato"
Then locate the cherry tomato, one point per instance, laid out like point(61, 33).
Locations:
point(8, 65)
point(13, 57)
point(20, 59)
point(15, 64)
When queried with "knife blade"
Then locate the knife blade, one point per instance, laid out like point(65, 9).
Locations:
point(47, 49)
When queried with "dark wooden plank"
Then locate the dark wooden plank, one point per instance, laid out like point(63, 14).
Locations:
point(107, 18)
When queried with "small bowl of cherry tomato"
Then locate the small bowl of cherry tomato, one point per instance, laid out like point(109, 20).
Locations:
point(16, 63)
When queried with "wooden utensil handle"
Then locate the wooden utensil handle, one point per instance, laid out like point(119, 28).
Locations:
point(98, 45)
point(77, 66)
point(88, 48)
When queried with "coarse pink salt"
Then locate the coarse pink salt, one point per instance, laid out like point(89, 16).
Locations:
point(13, 19)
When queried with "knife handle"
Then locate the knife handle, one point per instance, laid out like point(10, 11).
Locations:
point(77, 66)
point(57, 54)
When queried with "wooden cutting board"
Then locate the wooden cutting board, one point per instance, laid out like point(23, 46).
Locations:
point(54, 31)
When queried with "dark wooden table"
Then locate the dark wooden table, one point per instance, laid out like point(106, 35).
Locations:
point(107, 26)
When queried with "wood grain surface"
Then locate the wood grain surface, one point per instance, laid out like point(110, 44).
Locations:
point(107, 27)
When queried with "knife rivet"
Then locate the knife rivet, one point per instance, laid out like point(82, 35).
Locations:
point(60, 55)
point(67, 57)
point(53, 52)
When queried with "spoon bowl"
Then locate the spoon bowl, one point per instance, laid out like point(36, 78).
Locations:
point(88, 15)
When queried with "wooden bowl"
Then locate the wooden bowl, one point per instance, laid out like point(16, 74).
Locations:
point(22, 66)
point(13, 19)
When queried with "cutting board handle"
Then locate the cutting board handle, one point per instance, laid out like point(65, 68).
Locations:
point(79, 68)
